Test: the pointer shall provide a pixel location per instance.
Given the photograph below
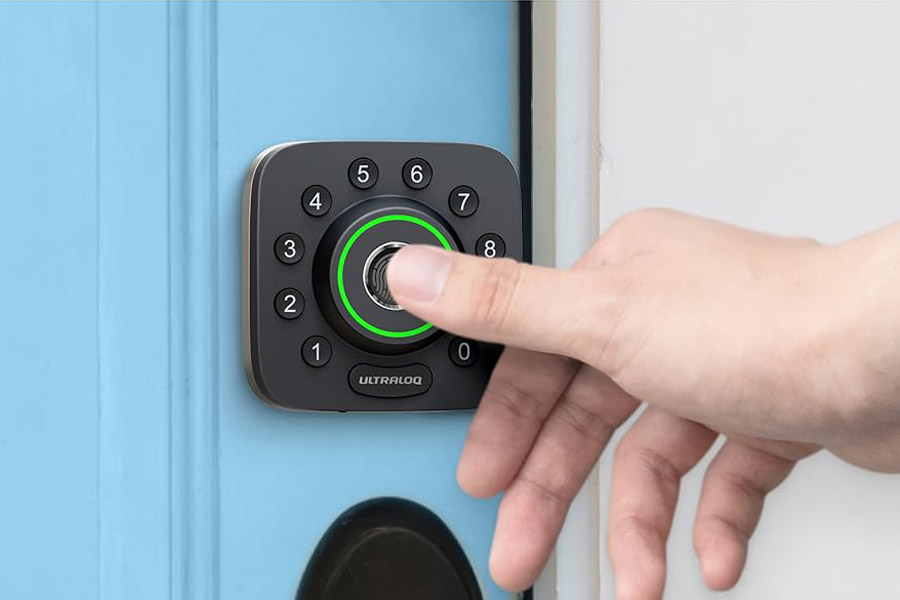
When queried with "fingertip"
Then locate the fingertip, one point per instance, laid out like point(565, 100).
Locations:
point(483, 470)
point(523, 539)
point(722, 559)
point(473, 482)
point(507, 579)
point(643, 580)
point(417, 274)
point(639, 564)
point(511, 565)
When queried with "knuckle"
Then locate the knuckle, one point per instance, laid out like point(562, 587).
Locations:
point(494, 295)
point(586, 424)
point(650, 460)
point(638, 221)
point(661, 467)
point(636, 526)
point(745, 485)
point(522, 404)
point(738, 531)
point(552, 494)
point(615, 307)
point(624, 236)
point(805, 242)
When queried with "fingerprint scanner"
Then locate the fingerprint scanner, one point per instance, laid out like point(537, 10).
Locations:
point(375, 275)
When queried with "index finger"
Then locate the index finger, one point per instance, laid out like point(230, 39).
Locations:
point(500, 300)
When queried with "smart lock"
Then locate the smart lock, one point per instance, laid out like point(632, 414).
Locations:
point(322, 221)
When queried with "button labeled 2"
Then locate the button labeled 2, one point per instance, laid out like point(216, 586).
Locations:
point(289, 303)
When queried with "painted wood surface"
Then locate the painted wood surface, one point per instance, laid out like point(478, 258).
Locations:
point(134, 460)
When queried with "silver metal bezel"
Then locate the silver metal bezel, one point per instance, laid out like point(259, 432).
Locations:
point(248, 206)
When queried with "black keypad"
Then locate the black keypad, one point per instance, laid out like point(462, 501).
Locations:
point(340, 341)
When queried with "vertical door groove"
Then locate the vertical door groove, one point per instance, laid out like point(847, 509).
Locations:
point(193, 279)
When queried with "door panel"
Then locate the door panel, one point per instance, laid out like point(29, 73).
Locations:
point(134, 460)
point(49, 299)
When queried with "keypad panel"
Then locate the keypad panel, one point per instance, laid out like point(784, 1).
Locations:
point(322, 220)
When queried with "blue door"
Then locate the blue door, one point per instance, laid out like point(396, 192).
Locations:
point(135, 462)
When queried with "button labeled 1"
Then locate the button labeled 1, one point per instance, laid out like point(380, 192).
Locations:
point(316, 351)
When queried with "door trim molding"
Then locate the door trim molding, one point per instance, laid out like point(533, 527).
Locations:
point(193, 279)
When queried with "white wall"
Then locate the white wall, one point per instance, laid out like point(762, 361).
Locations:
point(782, 116)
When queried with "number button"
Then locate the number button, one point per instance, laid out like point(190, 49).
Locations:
point(463, 201)
point(289, 303)
point(289, 248)
point(417, 173)
point(316, 351)
point(463, 352)
point(490, 245)
point(316, 201)
point(363, 173)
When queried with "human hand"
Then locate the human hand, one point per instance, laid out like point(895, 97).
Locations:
point(783, 345)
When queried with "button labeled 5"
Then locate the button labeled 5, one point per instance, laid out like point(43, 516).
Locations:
point(363, 173)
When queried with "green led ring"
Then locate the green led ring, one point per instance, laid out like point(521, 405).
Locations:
point(340, 273)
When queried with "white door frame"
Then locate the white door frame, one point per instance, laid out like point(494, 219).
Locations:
point(566, 56)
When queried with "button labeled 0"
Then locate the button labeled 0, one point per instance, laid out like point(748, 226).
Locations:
point(390, 382)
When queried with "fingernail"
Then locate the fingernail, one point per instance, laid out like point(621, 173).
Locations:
point(418, 273)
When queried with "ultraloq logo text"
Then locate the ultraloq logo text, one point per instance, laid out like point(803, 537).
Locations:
point(390, 380)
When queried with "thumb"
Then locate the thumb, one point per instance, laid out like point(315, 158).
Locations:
point(500, 300)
